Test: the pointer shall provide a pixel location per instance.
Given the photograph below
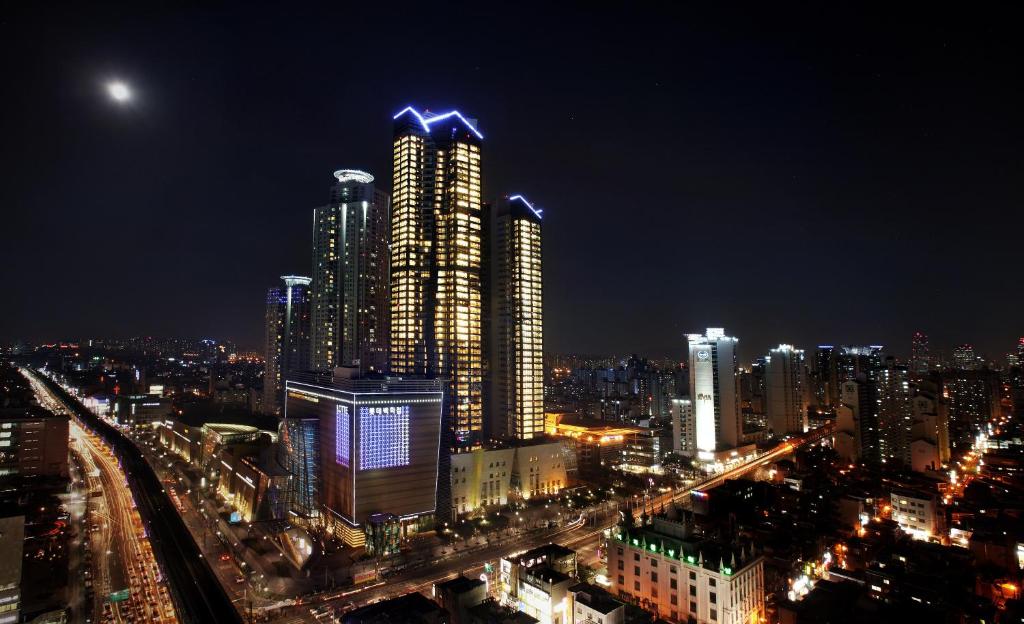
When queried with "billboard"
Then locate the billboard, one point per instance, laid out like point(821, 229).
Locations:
point(703, 395)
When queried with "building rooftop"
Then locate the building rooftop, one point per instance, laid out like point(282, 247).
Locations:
point(346, 380)
point(460, 585)
point(490, 612)
point(589, 430)
point(545, 574)
point(410, 608)
point(696, 550)
point(541, 554)
point(596, 598)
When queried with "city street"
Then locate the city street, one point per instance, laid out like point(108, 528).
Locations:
point(139, 495)
point(125, 579)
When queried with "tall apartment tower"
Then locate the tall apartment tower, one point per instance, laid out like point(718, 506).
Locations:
point(350, 276)
point(287, 338)
point(895, 413)
point(716, 410)
point(437, 244)
point(857, 431)
point(964, 358)
point(919, 357)
point(517, 345)
point(784, 389)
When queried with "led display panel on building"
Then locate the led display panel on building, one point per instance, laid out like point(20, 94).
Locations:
point(704, 397)
point(343, 436)
point(383, 437)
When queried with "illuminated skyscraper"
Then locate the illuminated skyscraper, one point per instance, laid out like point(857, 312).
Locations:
point(716, 411)
point(964, 358)
point(784, 388)
point(287, 338)
point(518, 344)
point(919, 358)
point(895, 413)
point(350, 276)
point(436, 262)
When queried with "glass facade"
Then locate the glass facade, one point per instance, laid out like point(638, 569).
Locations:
point(299, 436)
point(379, 444)
point(436, 261)
point(287, 337)
point(350, 276)
point(519, 352)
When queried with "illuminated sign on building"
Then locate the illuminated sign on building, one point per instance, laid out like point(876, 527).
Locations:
point(704, 406)
point(343, 436)
point(303, 396)
point(383, 437)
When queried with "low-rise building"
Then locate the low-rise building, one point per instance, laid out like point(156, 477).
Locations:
point(667, 569)
point(481, 479)
point(592, 605)
point(134, 410)
point(414, 608)
point(458, 596)
point(253, 483)
point(543, 593)
point(12, 542)
point(511, 567)
point(917, 512)
point(33, 443)
point(486, 478)
point(600, 445)
point(181, 440)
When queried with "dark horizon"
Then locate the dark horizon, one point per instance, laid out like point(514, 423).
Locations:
point(818, 176)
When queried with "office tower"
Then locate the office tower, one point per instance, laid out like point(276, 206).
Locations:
point(826, 377)
point(919, 359)
point(517, 347)
point(929, 446)
point(350, 276)
point(857, 434)
point(287, 337)
point(895, 413)
point(378, 451)
point(663, 392)
point(964, 358)
point(436, 262)
point(973, 397)
point(784, 385)
point(853, 361)
point(716, 410)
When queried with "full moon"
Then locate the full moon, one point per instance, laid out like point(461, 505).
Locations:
point(119, 91)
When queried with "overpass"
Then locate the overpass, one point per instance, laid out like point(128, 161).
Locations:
point(778, 452)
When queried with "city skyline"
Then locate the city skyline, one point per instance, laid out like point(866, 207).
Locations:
point(508, 313)
point(806, 171)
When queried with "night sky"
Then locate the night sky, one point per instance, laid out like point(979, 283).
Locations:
point(806, 174)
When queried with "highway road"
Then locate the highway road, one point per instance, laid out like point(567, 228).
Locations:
point(120, 540)
point(197, 595)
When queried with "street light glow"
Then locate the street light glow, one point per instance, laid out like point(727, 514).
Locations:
point(119, 91)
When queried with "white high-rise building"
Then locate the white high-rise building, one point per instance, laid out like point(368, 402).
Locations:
point(716, 411)
point(684, 441)
point(784, 390)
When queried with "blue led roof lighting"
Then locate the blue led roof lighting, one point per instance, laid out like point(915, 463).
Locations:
point(426, 121)
point(536, 211)
point(410, 109)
